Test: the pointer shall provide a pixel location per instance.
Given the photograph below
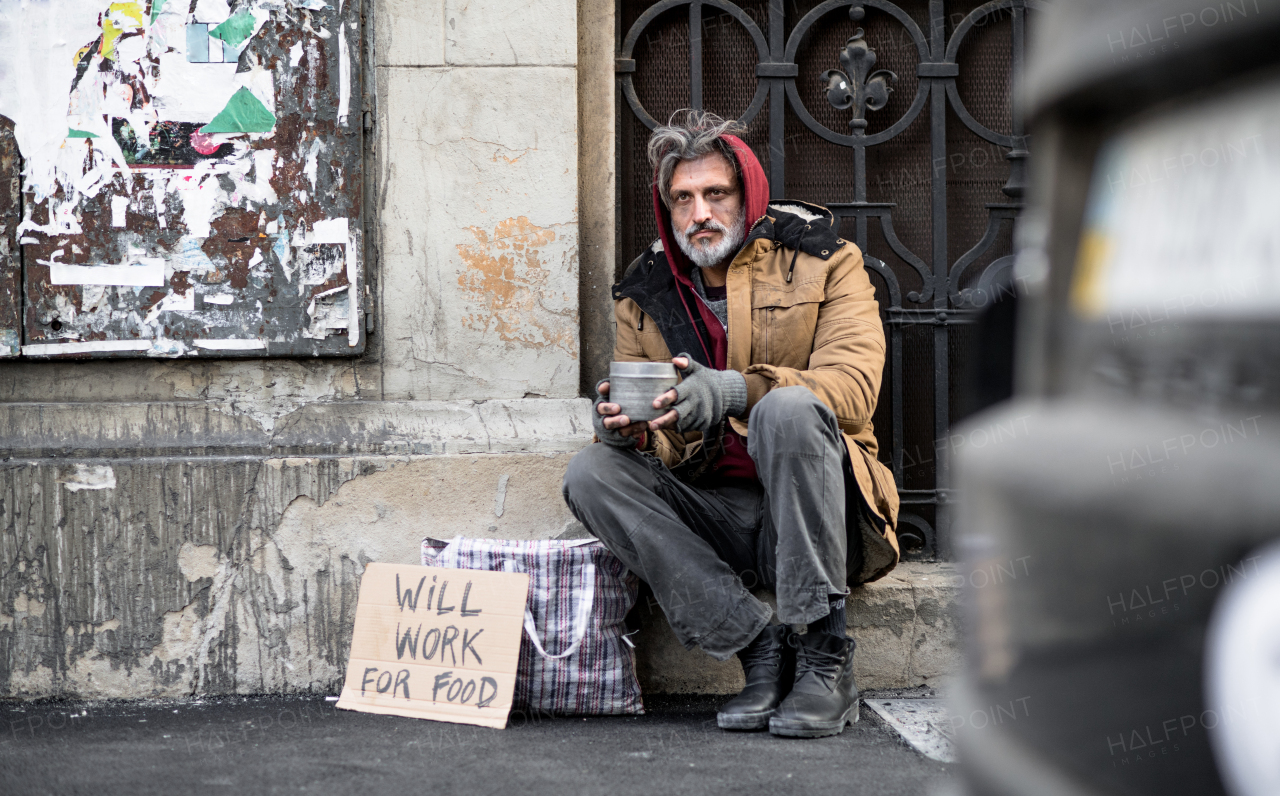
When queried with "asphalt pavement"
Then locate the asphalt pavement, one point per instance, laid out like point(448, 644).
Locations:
point(304, 744)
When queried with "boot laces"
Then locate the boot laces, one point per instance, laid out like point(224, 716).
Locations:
point(824, 664)
point(759, 653)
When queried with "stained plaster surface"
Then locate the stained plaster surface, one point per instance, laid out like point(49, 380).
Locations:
point(498, 32)
point(478, 198)
point(185, 550)
point(479, 232)
point(409, 32)
point(476, 33)
point(261, 390)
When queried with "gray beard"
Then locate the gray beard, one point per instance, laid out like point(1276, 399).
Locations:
point(711, 256)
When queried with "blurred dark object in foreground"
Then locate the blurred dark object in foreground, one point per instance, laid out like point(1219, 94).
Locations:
point(1115, 533)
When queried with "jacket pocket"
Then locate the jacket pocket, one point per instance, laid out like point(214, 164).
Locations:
point(787, 320)
point(765, 295)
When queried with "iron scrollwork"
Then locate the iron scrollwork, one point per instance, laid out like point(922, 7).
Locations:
point(857, 86)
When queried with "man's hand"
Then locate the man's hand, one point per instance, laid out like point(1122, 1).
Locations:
point(613, 428)
point(702, 400)
point(667, 398)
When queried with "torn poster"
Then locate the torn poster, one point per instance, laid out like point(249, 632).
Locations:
point(141, 272)
point(189, 176)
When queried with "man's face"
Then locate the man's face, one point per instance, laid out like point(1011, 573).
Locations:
point(706, 209)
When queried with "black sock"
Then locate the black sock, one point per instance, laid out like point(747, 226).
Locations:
point(834, 621)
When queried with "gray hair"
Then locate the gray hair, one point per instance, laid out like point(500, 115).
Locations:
point(688, 135)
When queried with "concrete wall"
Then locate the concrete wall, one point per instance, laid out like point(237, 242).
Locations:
point(176, 527)
point(477, 198)
point(597, 187)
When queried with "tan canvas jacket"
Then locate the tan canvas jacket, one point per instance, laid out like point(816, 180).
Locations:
point(821, 329)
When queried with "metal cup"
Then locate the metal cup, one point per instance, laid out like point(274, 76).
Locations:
point(635, 385)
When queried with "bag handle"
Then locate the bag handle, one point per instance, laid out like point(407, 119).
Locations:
point(581, 619)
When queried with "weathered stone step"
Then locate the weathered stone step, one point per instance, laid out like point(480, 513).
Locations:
point(904, 623)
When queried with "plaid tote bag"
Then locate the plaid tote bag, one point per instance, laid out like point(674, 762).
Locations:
point(574, 657)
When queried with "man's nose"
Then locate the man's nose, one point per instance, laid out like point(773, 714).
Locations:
point(701, 210)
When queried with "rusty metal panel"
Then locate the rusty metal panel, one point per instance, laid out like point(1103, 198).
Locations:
point(205, 196)
point(10, 263)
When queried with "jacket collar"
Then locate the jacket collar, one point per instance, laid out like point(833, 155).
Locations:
point(799, 226)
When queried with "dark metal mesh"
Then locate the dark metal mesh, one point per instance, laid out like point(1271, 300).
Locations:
point(729, 81)
point(985, 54)
point(976, 168)
point(662, 86)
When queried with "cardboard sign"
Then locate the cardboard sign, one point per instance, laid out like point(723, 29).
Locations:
point(436, 643)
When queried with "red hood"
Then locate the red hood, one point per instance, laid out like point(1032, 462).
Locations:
point(755, 189)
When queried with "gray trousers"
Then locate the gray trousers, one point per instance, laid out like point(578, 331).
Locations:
point(702, 548)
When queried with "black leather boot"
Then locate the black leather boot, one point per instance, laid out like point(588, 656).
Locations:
point(824, 698)
point(769, 665)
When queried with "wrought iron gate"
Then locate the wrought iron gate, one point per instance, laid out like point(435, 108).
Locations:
point(907, 155)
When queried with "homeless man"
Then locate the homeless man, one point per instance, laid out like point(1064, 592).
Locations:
point(762, 474)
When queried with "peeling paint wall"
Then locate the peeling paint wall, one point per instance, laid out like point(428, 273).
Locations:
point(10, 266)
point(192, 176)
point(509, 286)
point(200, 525)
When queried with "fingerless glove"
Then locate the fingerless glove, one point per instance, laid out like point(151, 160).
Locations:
point(706, 396)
